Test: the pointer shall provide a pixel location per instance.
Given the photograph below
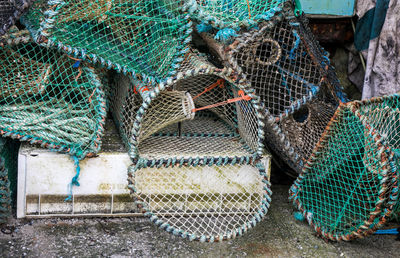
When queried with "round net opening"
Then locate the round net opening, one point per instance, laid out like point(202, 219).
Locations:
point(268, 52)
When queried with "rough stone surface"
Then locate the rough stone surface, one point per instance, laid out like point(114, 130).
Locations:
point(279, 235)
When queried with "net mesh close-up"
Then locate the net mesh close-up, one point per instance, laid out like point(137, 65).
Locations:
point(349, 186)
point(147, 38)
point(49, 99)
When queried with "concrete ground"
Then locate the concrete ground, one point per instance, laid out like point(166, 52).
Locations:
point(279, 235)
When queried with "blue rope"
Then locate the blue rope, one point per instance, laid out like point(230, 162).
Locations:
point(225, 35)
point(74, 180)
point(202, 27)
point(392, 231)
point(292, 54)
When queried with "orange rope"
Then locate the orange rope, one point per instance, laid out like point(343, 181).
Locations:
point(219, 82)
point(240, 93)
point(79, 74)
point(248, 7)
point(90, 97)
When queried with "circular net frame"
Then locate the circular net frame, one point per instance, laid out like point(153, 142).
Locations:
point(148, 37)
point(10, 11)
point(232, 13)
point(202, 201)
point(46, 99)
point(349, 186)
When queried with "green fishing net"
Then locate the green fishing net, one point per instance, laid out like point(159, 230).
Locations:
point(49, 99)
point(144, 37)
point(232, 13)
point(350, 184)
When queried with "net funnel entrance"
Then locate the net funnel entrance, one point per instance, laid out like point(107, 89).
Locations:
point(141, 110)
point(204, 200)
point(295, 137)
point(222, 132)
point(148, 38)
point(46, 99)
point(349, 186)
point(10, 11)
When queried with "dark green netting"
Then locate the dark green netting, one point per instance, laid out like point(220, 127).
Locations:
point(49, 99)
point(5, 192)
point(144, 37)
point(232, 13)
point(350, 184)
point(10, 11)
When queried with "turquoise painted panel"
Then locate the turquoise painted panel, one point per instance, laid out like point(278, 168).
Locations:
point(328, 7)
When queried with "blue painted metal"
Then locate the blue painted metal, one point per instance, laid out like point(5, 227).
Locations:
point(329, 7)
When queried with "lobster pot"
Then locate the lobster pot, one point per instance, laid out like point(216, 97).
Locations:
point(349, 186)
point(231, 14)
point(294, 137)
point(213, 128)
point(47, 99)
point(10, 11)
point(206, 200)
point(284, 63)
point(167, 119)
point(143, 37)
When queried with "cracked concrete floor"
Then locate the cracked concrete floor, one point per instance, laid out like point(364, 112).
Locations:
point(279, 235)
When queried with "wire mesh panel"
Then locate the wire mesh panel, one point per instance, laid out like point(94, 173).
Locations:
point(10, 11)
point(48, 99)
point(349, 186)
point(232, 13)
point(5, 193)
point(145, 37)
point(207, 200)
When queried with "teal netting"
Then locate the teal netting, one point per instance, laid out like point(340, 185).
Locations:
point(49, 99)
point(232, 13)
point(148, 37)
point(350, 184)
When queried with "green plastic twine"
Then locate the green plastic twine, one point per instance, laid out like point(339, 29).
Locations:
point(297, 10)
